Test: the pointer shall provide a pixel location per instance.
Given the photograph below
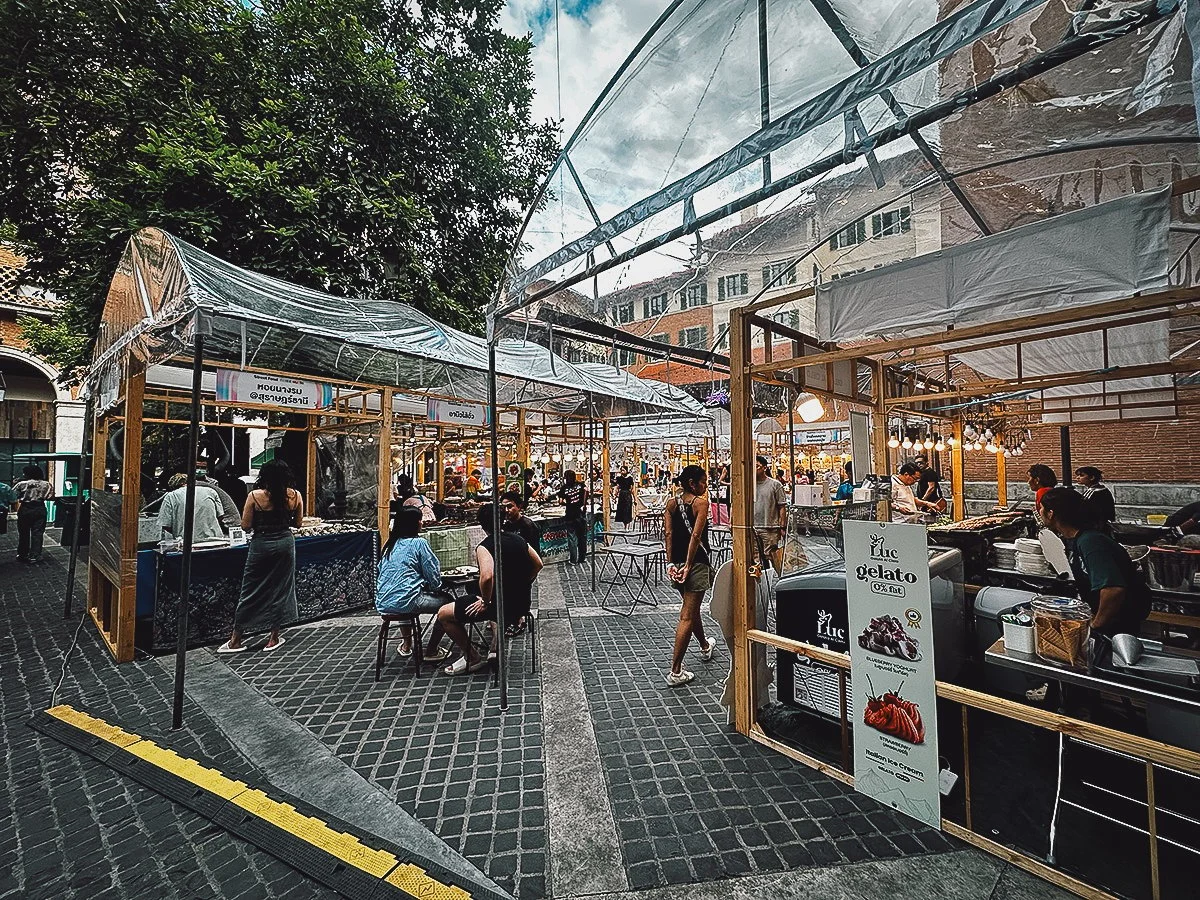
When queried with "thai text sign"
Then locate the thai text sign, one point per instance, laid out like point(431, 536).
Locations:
point(894, 706)
point(256, 388)
point(450, 412)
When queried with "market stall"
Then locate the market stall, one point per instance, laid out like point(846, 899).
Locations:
point(329, 381)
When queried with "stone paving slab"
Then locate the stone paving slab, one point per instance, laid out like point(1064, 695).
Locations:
point(693, 800)
point(71, 827)
point(435, 743)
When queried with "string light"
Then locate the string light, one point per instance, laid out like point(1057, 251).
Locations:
point(906, 443)
point(893, 442)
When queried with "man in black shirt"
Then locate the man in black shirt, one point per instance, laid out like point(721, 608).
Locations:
point(516, 522)
point(574, 495)
point(520, 565)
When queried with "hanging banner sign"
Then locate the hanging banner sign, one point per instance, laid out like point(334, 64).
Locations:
point(235, 387)
point(451, 412)
point(894, 708)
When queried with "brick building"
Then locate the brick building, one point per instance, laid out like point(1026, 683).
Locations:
point(36, 414)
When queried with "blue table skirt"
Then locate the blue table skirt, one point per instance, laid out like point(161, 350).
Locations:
point(335, 573)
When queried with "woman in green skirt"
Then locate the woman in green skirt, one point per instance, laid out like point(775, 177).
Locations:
point(268, 597)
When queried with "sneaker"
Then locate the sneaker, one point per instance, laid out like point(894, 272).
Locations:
point(706, 653)
point(1038, 694)
point(436, 656)
point(682, 677)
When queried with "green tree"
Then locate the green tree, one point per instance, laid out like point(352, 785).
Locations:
point(375, 148)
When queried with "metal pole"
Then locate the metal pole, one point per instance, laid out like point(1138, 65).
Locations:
point(498, 562)
point(1064, 442)
point(791, 441)
point(189, 515)
point(84, 455)
point(589, 519)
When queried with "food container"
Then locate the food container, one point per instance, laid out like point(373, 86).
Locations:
point(1018, 632)
point(1062, 630)
point(1156, 519)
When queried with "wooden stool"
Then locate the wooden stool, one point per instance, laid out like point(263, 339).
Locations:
point(413, 619)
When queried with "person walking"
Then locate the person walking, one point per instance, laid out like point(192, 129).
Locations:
point(575, 495)
point(624, 485)
point(685, 524)
point(268, 596)
point(409, 578)
point(33, 490)
point(770, 512)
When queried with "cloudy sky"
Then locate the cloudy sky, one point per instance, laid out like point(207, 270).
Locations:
point(597, 35)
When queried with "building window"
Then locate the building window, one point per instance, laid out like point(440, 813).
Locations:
point(896, 221)
point(849, 236)
point(654, 306)
point(623, 313)
point(694, 337)
point(784, 272)
point(789, 318)
point(626, 358)
point(736, 285)
point(662, 338)
point(694, 295)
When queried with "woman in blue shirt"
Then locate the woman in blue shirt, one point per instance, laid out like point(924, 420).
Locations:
point(409, 574)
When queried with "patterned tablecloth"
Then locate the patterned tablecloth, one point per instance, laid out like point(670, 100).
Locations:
point(335, 573)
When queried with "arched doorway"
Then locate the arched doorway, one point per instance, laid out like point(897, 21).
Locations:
point(36, 415)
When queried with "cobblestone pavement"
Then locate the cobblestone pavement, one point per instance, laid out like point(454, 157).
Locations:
point(695, 801)
point(435, 743)
point(71, 827)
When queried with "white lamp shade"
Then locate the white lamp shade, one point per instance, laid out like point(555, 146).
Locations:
point(809, 407)
point(906, 443)
point(939, 446)
point(893, 442)
point(545, 459)
point(928, 445)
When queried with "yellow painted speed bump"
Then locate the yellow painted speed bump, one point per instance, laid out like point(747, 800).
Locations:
point(381, 866)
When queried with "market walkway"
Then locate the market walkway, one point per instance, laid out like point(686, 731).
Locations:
point(598, 781)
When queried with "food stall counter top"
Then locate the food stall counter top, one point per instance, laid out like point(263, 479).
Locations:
point(1031, 664)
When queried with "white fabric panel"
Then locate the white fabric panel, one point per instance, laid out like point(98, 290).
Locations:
point(1103, 252)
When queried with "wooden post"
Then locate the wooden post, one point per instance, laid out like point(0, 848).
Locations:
point(745, 568)
point(879, 433)
point(131, 503)
point(439, 464)
point(385, 462)
point(958, 485)
point(310, 475)
point(522, 439)
point(1001, 479)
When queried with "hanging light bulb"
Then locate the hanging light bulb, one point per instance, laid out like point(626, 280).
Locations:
point(940, 445)
point(545, 458)
point(906, 443)
point(579, 457)
point(991, 448)
point(1007, 453)
point(951, 441)
point(893, 442)
point(928, 443)
point(977, 445)
point(809, 407)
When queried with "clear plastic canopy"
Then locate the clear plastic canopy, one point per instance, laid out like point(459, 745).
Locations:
point(791, 138)
point(165, 289)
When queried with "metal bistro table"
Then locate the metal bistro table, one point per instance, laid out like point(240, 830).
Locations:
point(630, 562)
point(1033, 665)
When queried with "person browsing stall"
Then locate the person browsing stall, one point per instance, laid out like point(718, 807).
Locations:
point(516, 522)
point(929, 485)
point(770, 511)
point(845, 488)
point(1041, 479)
point(1107, 579)
point(905, 502)
point(520, 565)
point(409, 578)
point(575, 496)
point(206, 517)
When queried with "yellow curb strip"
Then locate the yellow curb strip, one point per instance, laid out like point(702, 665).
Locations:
point(346, 847)
point(413, 880)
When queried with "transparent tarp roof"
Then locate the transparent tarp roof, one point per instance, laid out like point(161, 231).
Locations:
point(164, 288)
point(740, 135)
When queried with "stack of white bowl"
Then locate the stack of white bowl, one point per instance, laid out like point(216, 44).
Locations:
point(1006, 555)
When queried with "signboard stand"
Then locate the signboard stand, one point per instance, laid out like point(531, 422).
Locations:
point(894, 704)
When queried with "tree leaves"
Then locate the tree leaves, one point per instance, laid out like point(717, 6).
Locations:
point(369, 148)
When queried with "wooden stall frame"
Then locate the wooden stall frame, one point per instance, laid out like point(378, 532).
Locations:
point(880, 356)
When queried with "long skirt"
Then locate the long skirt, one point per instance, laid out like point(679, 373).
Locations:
point(625, 507)
point(268, 597)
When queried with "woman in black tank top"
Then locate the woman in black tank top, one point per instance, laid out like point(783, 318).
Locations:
point(686, 538)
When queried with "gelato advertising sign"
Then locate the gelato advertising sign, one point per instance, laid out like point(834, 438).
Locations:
point(257, 389)
point(891, 660)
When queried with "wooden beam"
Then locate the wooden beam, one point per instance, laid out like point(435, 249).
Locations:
point(131, 504)
point(1001, 479)
point(1042, 321)
point(753, 307)
point(741, 518)
point(385, 464)
point(958, 485)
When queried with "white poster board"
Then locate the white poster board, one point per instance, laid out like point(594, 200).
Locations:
point(894, 706)
point(258, 389)
point(860, 445)
point(451, 412)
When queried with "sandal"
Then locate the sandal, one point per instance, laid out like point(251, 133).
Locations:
point(404, 653)
point(458, 667)
point(513, 630)
point(267, 648)
point(225, 648)
point(436, 656)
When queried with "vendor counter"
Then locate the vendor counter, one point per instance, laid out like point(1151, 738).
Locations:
point(454, 545)
point(335, 573)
